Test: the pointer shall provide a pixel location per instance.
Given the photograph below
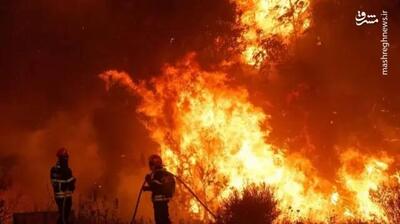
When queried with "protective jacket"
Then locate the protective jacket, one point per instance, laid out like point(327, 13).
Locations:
point(162, 185)
point(62, 180)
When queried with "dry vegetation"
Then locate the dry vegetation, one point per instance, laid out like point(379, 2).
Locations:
point(96, 209)
point(5, 182)
point(255, 204)
point(388, 197)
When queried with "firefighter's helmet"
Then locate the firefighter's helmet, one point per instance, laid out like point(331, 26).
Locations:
point(155, 161)
point(62, 153)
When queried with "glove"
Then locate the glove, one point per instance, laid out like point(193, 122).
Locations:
point(146, 188)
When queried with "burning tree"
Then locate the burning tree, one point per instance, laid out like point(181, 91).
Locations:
point(263, 22)
point(388, 196)
point(214, 138)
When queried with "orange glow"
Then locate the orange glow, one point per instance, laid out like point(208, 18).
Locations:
point(212, 136)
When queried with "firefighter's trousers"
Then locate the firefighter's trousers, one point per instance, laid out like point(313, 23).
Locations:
point(64, 209)
point(161, 214)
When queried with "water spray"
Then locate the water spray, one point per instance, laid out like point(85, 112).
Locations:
point(186, 186)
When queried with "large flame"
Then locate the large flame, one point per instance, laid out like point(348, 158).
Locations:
point(360, 176)
point(261, 19)
point(213, 137)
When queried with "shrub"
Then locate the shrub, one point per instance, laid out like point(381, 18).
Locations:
point(255, 204)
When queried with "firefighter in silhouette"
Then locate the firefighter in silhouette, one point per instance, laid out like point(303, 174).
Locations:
point(162, 185)
point(63, 185)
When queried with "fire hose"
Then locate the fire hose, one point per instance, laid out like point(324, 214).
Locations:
point(137, 202)
point(186, 186)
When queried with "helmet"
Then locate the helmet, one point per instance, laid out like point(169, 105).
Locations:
point(62, 153)
point(155, 161)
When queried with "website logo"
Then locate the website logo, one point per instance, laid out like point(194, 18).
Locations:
point(363, 18)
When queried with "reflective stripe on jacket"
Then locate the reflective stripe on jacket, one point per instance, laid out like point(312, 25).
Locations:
point(62, 180)
point(59, 193)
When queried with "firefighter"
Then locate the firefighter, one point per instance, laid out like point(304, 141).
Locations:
point(162, 185)
point(63, 185)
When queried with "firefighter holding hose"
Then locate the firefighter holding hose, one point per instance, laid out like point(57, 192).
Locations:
point(63, 183)
point(162, 185)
